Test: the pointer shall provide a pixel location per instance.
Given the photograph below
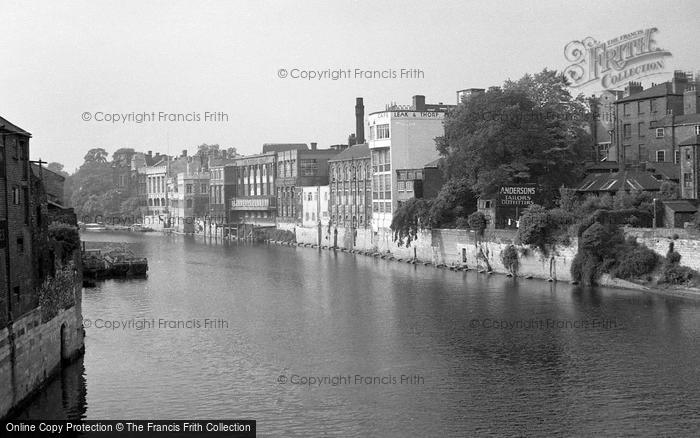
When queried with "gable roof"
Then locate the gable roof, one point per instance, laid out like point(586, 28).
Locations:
point(433, 164)
point(625, 180)
point(354, 152)
point(11, 127)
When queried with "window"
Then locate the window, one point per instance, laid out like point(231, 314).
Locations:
point(660, 156)
point(203, 189)
point(188, 188)
point(640, 108)
point(677, 157)
point(401, 186)
point(189, 203)
point(626, 109)
point(688, 180)
point(627, 128)
point(20, 244)
point(309, 167)
point(641, 129)
point(643, 153)
point(659, 132)
point(382, 131)
point(603, 151)
point(372, 132)
point(697, 129)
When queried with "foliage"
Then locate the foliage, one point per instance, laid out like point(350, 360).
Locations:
point(58, 292)
point(509, 257)
point(603, 249)
point(669, 191)
point(408, 219)
point(673, 272)
point(455, 200)
point(477, 222)
point(66, 237)
point(535, 227)
point(636, 261)
point(530, 130)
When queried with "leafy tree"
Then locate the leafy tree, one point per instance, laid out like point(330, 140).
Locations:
point(530, 130)
point(535, 227)
point(669, 191)
point(411, 217)
point(57, 168)
point(454, 201)
point(96, 156)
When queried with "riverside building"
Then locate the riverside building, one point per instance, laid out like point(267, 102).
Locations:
point(401, 137)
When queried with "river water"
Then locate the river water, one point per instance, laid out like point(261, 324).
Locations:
point(240, 330)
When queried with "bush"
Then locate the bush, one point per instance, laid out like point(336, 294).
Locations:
point(509, 257)
point(66, 237)
point(535, 227)
point(673, 258)
point(637, 261)
point(462, 223)
point(477, 222)
point(676, 274)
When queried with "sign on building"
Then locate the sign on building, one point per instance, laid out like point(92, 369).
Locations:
point(517, 195)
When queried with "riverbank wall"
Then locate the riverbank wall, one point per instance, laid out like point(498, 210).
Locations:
point(467, 249)
point(452, 248)
point(32, 352)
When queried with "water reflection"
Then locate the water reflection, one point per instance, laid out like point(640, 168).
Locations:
point(487, 367)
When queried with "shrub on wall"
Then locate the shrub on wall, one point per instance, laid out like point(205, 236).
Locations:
point(58, 292)
point(509, 257)
point(637, 261)
point(66, 237)
point(477, 222)
point(535, 227)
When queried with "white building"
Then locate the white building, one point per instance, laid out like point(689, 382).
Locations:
point(400, 137)
point(315, 205)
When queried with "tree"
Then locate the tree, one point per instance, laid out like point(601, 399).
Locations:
point(454, 201)
point(95, 156)
point(57, 168)
point(409, 218)
point(530, 130)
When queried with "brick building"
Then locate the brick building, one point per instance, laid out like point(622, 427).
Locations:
point(351, 187)
point(296, 168)
point(644, 120)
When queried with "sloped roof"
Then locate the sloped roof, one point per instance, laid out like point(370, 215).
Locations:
point(665, 170)
point(434, 163)
point(281, 147)
point(11, 127)
point(659, 90)
point(625, 180)
point(354, 152)
point(680, 206)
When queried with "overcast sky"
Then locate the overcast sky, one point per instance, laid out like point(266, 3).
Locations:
point(61, 59)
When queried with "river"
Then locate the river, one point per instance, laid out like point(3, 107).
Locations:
point(315, 343)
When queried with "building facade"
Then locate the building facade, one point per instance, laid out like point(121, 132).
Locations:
point(221, 191)
point(254, 200)
point(297, 168)
point(401, 137)
point(641, 131)
point(315, 206)
point(351, 187)
point(188, 196)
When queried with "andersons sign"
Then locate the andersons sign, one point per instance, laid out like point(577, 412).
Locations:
point(520, 195)
point(615, 62)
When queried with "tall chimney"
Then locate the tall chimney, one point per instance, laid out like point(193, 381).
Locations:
point(313, 145)
point(359, 121)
